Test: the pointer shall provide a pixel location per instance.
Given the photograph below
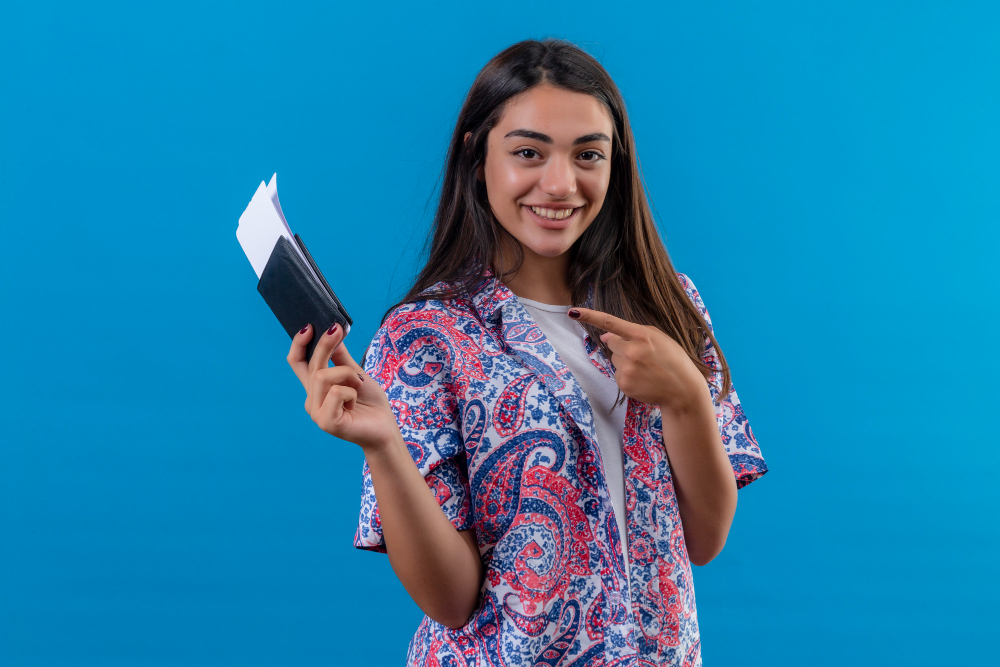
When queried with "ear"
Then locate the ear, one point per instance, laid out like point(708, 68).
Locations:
point(480, 174)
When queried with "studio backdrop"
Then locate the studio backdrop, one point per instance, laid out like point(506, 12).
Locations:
point(826, 174)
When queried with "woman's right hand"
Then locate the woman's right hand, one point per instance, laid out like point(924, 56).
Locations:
point(438, 565)
point(342, 400)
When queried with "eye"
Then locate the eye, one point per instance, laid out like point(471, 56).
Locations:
point(591, 156)
point(527, 153)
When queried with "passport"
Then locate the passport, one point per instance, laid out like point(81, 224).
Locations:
point(288, 278)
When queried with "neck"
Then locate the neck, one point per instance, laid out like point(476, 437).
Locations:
point(541, 279)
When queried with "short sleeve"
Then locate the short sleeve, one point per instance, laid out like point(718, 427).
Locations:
point(410, 359)
point(741, 446)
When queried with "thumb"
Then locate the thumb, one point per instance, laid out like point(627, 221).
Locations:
point(341, 357)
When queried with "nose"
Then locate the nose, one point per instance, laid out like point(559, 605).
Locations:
point(558, 179)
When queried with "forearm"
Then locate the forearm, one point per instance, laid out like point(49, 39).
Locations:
point(439, 566)
point(703, 477)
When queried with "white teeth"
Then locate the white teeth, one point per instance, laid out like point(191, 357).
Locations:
point(553, 214)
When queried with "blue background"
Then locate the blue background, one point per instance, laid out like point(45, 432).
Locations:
point(828, 177)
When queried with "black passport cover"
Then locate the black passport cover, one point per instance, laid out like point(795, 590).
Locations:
point(294, 295)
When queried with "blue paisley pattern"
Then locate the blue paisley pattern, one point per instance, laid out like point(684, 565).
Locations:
point(505, 438)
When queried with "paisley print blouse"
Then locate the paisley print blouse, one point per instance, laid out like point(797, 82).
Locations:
point(505, 437)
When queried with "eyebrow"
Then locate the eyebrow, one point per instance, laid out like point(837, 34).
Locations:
point(544, 138)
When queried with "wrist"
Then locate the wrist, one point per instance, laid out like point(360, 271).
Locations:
point(386, 447)
point(694, 401)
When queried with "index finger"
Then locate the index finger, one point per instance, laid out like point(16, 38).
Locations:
point(616, 325)
point(341, 357)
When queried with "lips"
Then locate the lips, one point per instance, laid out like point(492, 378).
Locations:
point(561, 218)
point(552, 213)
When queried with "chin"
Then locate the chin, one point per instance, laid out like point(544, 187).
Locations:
point(551, 244)
point(549, 249)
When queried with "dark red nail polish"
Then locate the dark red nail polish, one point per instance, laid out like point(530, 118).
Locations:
point(361, 377)
point(304, 329)
point(331, 330)
point(574, 313)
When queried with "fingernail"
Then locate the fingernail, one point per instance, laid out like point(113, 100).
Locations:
point(361, 377)
point(304, 329)
point(574, 313)
point(331, 330)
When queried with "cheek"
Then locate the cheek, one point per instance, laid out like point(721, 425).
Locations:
point(506, 183)
point(520, 181)
point(594, 185)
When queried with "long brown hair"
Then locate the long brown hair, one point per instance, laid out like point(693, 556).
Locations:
point(620, 254)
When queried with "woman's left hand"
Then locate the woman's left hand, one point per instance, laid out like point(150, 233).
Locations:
point(650, 366)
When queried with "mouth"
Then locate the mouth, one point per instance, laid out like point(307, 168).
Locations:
point(553, 218)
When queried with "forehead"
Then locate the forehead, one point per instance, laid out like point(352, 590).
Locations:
point(562, 114)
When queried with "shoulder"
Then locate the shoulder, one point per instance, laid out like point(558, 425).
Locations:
point(436, 313)
point(694, 295)
point(413, 325)
point(690, 289)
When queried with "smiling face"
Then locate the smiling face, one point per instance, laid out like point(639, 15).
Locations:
point(547, 168)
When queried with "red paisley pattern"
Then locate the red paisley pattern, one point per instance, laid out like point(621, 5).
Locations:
point(503, 434)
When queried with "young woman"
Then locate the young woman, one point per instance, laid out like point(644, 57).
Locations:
point(550, 432)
